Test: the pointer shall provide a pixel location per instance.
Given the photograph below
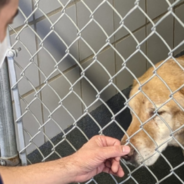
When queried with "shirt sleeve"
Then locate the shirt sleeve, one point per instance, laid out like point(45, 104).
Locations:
point(1, 182)
point(3, 50)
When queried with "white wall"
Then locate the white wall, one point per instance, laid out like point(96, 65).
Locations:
point(52, 50)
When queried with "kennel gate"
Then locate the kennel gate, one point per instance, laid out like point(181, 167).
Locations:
point(76, 63)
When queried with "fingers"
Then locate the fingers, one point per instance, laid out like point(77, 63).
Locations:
point(111, 147)
point(109, 141)
point(114, 152)
point(117, 158)
point(113, 167)
point(109, 169)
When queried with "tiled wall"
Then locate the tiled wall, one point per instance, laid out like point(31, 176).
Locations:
point(33, 71)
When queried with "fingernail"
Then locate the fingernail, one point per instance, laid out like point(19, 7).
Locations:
point(126, 149)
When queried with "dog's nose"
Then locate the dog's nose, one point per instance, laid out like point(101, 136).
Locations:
point(127, 158)
point(131, 155)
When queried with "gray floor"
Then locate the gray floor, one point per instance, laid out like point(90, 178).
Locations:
point(102, 115)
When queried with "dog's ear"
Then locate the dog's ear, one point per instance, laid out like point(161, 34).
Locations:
point(134, 83)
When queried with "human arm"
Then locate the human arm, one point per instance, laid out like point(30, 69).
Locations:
point(99, 154)
point(52, 172)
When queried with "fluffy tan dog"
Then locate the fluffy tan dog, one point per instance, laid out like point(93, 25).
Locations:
point(157, 114)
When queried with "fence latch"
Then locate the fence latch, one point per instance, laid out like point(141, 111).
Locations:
point(13, 52)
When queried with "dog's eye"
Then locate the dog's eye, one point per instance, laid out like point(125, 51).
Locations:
point(151, 113)
point(160, 112)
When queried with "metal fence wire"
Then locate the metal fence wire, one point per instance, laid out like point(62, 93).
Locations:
point(75, 62)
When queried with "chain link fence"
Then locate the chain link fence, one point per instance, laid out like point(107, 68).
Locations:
point(76, 63)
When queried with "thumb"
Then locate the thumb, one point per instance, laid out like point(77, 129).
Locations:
point(114, 151)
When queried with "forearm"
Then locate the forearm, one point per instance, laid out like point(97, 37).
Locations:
point(58, 172)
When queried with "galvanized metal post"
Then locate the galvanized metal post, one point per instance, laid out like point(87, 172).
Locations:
point(10, 57)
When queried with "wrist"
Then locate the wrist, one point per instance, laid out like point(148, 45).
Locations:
point(69, 169)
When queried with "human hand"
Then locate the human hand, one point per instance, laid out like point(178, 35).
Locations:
point(99, 154)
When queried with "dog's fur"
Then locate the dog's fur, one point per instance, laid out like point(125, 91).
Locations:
point(149, 132)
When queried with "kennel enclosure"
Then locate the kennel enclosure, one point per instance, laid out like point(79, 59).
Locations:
point(72, 73)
